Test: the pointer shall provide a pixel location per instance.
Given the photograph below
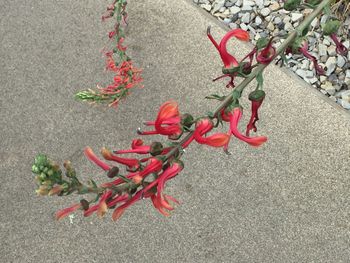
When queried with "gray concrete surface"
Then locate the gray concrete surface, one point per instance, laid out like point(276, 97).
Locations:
point(287, 201)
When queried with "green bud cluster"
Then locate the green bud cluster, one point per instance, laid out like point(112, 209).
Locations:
point(46, 170)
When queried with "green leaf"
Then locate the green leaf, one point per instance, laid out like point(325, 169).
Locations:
point(215, 97)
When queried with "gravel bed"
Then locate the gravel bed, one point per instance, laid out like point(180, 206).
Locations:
point(264, 18)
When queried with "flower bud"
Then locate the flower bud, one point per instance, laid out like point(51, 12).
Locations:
point(41, 160)
point(257, 95)
point(186, 120)
point(84, 204)
point(331, 27)
point(113, 172)
point(291, 5)
point(35, 169)
point(156, 148)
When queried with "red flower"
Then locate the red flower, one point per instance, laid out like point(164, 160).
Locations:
point(341, 49)
point(93, 158)
point(266, 55)
point(235, 117)
point(304, 50)
point(167, 122)
point(132, 164)
point(229, 60)
point(136, 147)
point(216, 140)
point(256, 97)
point(66, 211)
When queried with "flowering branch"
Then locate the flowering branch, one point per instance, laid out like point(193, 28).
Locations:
point(146, 174)
point(126, 75)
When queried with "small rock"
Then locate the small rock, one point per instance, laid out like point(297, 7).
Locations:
point(322, 50)
point(235, 10)
point(248, 2)
point(265, 12)
point(344, 104)
point(218, 4)
point(238, 3)
point(331, 65)
point(328, 86)
point(246, 18)
point(206, 7)
point(331, 50)
point(347, 72)
point(340, 61)
point(258, 20)
point(274, 6)
point(243, 26)
point(270, 26)
point(247, 8)
point(296, 16)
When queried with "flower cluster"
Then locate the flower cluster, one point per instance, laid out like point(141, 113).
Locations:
point(126, 75)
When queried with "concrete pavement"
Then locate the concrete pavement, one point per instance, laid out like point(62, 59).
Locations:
point(288, 201)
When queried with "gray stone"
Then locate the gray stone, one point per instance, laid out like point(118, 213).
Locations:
point(322, 50)
point(247, 8)
point(258, 20)
point(328, 87)
point(331, 50)
point(235, 9)
point(238, 3)
point(246, 18)
point(217, 5)
point(248, 3)
point(331, 65)
point(340, 61)
point(206, 7)
point(270, 26)
point(296, 16)
point(265, 11)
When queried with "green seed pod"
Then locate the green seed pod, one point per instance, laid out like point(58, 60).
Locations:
point(257, 95)
point(84, 204)
point(113, 172)
point(291, 5)
point(186, 120)
point(156, 148)
point(262, 42)
point(50, 172)
point(331, 27)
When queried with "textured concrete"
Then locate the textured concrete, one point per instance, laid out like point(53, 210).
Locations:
point(287, 201)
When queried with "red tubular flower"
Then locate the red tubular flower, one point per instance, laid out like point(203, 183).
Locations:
point(341, 49)
point(266, 55)
point(118, 212)
point(102, 205)
point(256, 97)
point(136, 147)
point(216, 140)
point(304, 50)
point(167, 122)
point(154, 165)
point(93, 158)
point(229, 60)
point(67, 211)
point(132, 164)
point(234, 120)
point(169, 173)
